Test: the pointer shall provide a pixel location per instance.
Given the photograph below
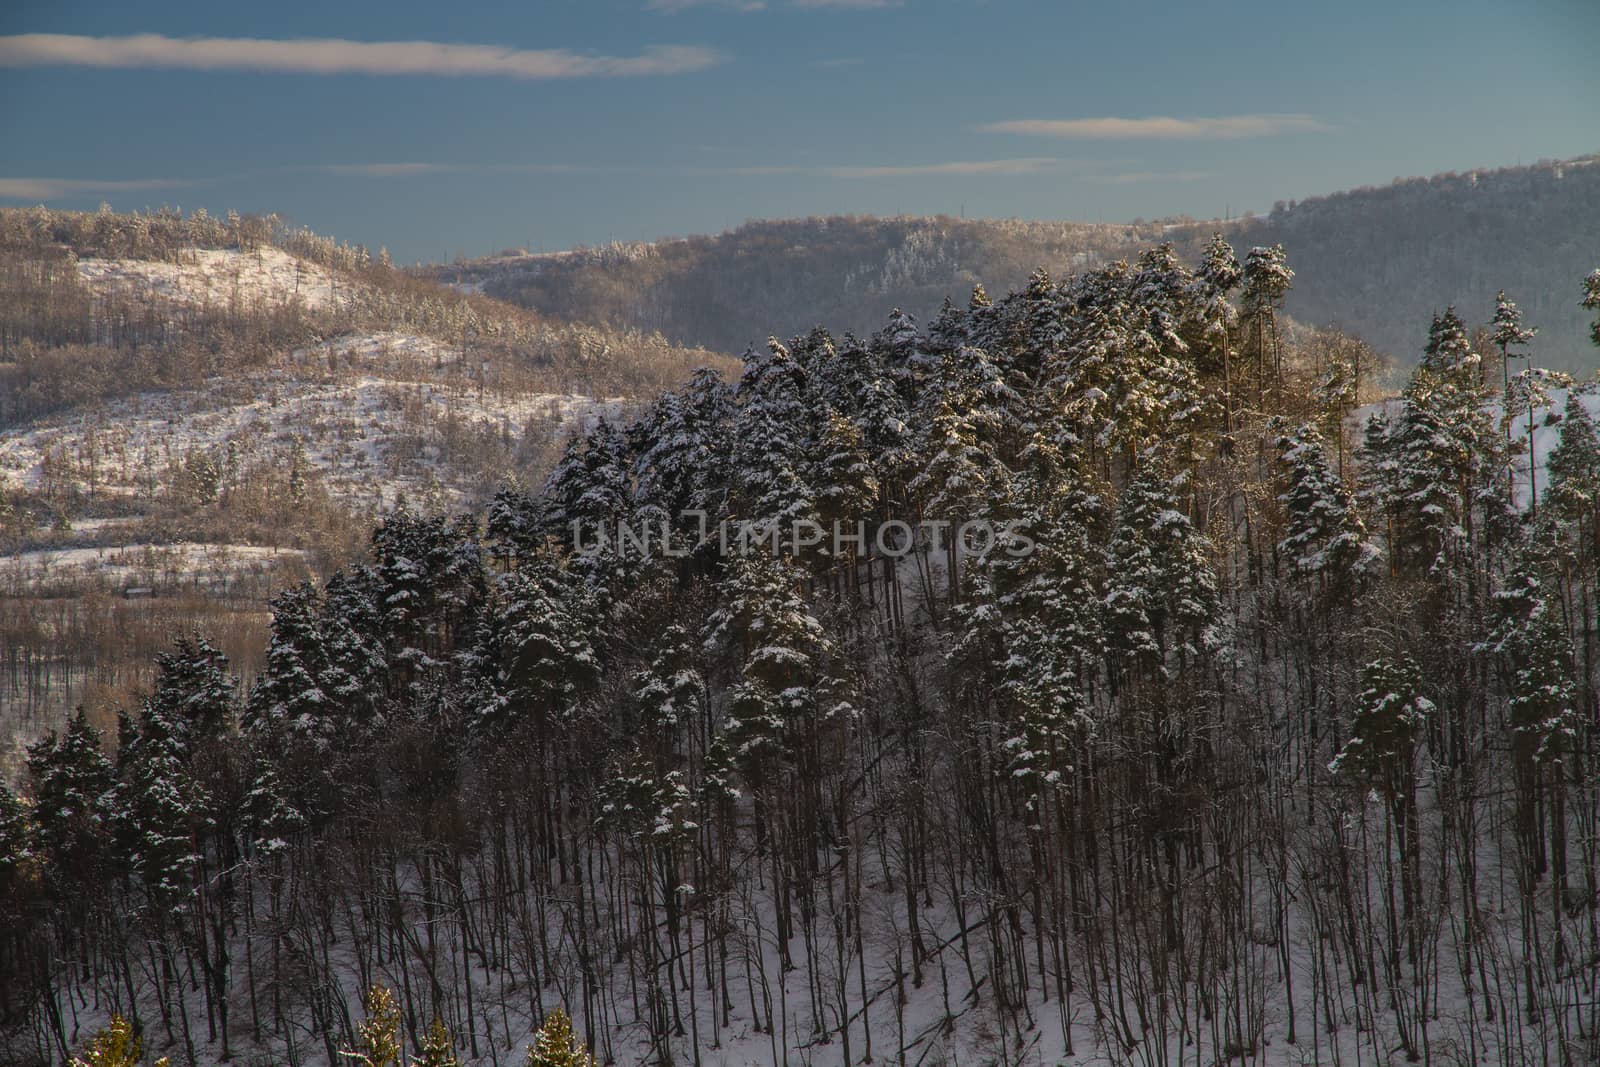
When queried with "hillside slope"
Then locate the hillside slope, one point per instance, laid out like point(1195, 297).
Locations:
point(205, 410)
point(1376, 261)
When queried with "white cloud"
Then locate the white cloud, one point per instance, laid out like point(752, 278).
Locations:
point(672, 7)
point(38, 189)
point(1134, 177)
point(335, 56)
point(1224, 128)
point(995, 167)
point(857, 5)
point(385, 170)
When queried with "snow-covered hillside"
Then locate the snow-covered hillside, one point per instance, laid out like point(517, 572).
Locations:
point(217, 277)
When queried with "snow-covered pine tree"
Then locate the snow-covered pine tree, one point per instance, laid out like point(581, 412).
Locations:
point(430, 574)
point(438, 1048)
point(1527, 392)
point(193, 694)
point(1214, 317)
point(1507, 332)
point(378, 1035)
point(270, 817)
point(590, 486)
point(75, 806)
point(1535, 650)
point(1325, 540)
point(535, 652)
point(1574, 464)
point(556, 1045)
point(962, 414)
point(351, 630)
point(166, 812)
point(1267, 279)
point(1440, 455)
point(1534, 654)
point(1050, 638)
point(772, 431)
point(1161, 599)
point(788, 695)
point(287, 697)
point(684, 451)
point(1391, 714)
point(842, 473)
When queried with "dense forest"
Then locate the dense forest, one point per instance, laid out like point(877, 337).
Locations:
point(1374, 261)
point(1264, 729)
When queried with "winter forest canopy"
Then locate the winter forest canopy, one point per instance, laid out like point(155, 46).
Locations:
point(1280, 745)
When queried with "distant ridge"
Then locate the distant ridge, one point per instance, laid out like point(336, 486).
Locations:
point(1377, 260)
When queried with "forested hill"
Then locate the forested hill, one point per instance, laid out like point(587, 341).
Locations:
point(1375, 261)
point(1085, 692)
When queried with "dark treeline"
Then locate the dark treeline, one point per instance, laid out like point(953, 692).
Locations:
point(1274, 737)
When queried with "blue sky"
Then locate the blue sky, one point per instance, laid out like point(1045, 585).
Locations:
point(550, 123)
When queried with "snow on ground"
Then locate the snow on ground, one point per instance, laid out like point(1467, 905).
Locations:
point(217, 276)
point(370, 436)
point(185, 565)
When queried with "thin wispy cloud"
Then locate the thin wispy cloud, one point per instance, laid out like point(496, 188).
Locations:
point(336, 56)
point(1138, 177)
point(671, 7)
point(41, 189)
point(47, 189)
point(384, 170)
point(1223, 128)
point(994, 167)
point(857, 5)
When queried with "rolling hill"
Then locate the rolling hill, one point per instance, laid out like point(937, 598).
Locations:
point(1377, 261)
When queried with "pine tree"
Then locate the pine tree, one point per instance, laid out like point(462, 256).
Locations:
point(114, 1046)
point(74, 805)
point(1536, 651)
point(772, 431)
point(288, 696)
point(1508, 333)
point(591, 486)
point(684, 450)
point(1161, 599)
point(786, 693)
point(1325, 538)
point(1390, 716)
point(1574, 464)
point(438, 1050)
point(1440, 455)
point(17, 847)
point(1591, 300)
point(350, 627)
point(1048, 600)
point(378, 1036)
point(271, 817)
point(1218, 276)
point(1528, 391)
point(556, 1045)
point(534, 651)
point(1267, 279)
point(167, 810)
point(194, 693)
